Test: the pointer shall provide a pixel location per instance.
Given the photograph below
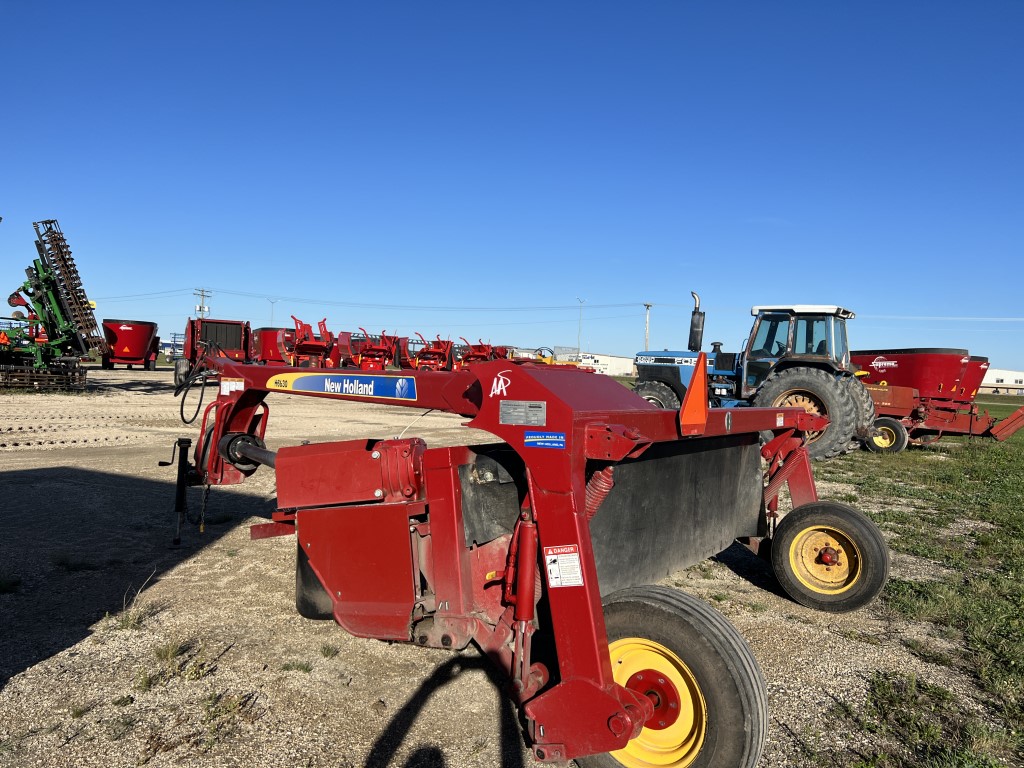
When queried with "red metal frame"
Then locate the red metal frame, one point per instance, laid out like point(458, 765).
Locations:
point(393, 509)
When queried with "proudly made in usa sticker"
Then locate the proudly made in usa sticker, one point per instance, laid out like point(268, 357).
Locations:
point(544, 440)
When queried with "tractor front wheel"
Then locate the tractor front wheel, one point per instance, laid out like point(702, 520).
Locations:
point(892, 436)
point(659, 393)
point(710, 701)
point(820, 393)
point(830, 557)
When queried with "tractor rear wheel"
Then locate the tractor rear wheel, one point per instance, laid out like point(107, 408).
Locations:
point(830, 557)
point(710, 698)
point(865, 411)
point(659, 393)
point(892, 436)
point(817, 392)
point(311, 599)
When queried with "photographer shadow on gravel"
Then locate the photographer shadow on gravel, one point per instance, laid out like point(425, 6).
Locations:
point(78, 545)
point(391, 738)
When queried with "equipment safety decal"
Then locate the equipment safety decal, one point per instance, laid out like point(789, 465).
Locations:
point(227, 386)
point(563, 566)
point(544, 440)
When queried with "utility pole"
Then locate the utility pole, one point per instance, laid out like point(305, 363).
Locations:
point(202, 310)
point(647, 326)
point(579, 330)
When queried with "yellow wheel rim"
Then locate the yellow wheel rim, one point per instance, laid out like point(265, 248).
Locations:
point(679, 741)
point(800, 399)
point(825, 560)
point(885, 438)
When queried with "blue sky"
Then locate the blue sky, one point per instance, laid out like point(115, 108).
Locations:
point(478, 168)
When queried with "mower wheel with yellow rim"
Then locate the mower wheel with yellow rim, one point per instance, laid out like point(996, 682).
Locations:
point(830, 557)
point(710, 701)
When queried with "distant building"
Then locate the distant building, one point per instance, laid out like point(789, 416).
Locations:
point(610, 365)
point(1000, 381)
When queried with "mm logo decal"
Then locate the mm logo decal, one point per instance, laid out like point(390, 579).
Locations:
point(349, 385)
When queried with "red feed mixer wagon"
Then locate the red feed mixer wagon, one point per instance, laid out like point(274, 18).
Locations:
point(131, 342)
point(544, 547)
point(922, 394)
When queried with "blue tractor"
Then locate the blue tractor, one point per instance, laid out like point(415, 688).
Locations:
point(796, 356)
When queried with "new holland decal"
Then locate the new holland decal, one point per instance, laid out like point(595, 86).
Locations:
point(350, 384)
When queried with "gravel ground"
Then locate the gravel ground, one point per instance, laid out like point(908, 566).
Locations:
point(119, 649)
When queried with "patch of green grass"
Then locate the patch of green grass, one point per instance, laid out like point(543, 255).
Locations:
point(135, 611)
point(297, 666)
point(145, 680)
point(121, 726)
point(929, 653)
point(920, 725)
point(171, 650)
point(81, 710)
point(329, 651)
point(222, 713)
point(961, 504)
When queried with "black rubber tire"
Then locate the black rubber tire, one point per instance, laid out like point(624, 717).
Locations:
point(892, 436)
point(863, 557)
point(659, 393)
point(823, 393)
point(311, 599)
point(718, 661)
point(865, 411)
point(180, 371)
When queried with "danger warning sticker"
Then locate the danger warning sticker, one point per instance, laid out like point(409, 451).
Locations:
point(563, 566)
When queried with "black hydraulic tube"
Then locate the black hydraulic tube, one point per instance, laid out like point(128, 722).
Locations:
point(247, 450)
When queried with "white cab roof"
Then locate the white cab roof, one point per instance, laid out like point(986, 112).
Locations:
point(805, 309)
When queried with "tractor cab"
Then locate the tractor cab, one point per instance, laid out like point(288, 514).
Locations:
point(806, 335)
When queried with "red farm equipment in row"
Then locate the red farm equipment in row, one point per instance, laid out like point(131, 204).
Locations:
point(480, 352)
point(922, 394)
point(541, 548)
point(130, 343)
point(436, 355)
point(206, 338)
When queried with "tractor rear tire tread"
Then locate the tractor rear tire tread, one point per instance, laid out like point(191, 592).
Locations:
point(833, 394)
point(865, 411)
point(725, 670)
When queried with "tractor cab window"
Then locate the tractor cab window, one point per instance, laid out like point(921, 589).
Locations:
point(811, 335)
point(842, 346)
point(771, 339)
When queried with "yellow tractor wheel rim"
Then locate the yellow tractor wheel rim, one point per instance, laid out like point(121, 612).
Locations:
point(885, 438)
point(678, 744)
point(825, 560)
point(800, 399)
